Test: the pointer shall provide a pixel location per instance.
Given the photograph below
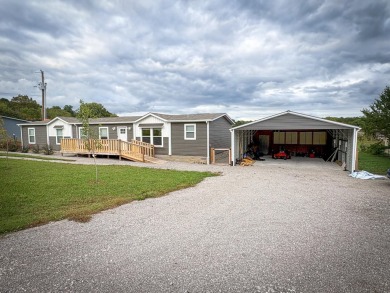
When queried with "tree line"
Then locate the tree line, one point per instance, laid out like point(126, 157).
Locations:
point(26, 108)
point(375, 120)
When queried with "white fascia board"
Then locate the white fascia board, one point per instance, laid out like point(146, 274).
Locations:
point(297, 114)
point(224, 115)
point(322, 120)
point(57, 118)
point(150, 114)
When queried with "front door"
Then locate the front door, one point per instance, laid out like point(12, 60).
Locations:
point(122, 133)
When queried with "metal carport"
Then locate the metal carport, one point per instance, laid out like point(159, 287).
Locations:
point(342, 136)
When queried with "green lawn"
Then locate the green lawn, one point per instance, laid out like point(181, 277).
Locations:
point(35, 192)
point(40, 157)
point(374, 164)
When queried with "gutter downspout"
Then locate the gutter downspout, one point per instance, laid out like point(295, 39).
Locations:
point(21, 135)
point(233, 147)
point(47, 135)
point(170, 140)
point(354, 150)
point(208, 142)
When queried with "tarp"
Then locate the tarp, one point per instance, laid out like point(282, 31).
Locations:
point(366, 175)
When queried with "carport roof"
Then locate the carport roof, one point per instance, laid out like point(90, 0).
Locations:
point(290, 120)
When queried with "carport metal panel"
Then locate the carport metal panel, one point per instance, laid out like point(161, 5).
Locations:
point(297, 121)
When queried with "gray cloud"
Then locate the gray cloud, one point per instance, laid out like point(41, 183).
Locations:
point(246, 58)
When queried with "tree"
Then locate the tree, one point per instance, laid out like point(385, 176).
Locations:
point(96, 110)
point(27, 108)
point(377, 116)
point(356, 121)
point(4, 138)
point(88, 134)
point(56, 111)
point(69, 109)
point(241, 122)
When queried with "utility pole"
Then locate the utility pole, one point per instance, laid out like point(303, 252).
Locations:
point(42, 87)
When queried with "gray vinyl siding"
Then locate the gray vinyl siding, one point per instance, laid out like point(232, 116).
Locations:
point(290, 122)
point(113, 133)
point(54, 146)
point(163, 150)
point(13, 130)
point(182, 147)
point(40, 135)
point(219, 133)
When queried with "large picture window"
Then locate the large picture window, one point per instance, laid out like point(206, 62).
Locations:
point(31, 136)
point(190, 131)
point(152, 136)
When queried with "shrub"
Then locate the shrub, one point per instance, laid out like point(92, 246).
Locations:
point(36, 149)
point(376, 149)
point(25, 149)
point(48, 150)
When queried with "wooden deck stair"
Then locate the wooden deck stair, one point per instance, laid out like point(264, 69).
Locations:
point(134, 150)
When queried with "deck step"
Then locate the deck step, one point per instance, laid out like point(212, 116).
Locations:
point(132, 158)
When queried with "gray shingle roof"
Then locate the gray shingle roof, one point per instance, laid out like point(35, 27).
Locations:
point(190, 117)
point(129, 119)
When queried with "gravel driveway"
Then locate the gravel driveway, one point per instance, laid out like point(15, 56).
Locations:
point(278, 226)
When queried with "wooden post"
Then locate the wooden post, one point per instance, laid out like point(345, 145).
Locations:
point(212, 156)
point(357, 160)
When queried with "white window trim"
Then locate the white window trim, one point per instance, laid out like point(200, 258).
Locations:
point(58, 143)
point(162, 138)
point(28, 134)
point(108, 134)
point(80, 132)
point(152, 137)
point(185, 132)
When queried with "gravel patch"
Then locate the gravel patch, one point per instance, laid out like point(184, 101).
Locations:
point(299, 225)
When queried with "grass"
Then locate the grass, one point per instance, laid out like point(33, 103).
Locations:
point(35, 192)
point(373, 163)
point(46, 158)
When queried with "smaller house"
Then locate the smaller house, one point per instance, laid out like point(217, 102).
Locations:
point(12, 128)
point(171, 135)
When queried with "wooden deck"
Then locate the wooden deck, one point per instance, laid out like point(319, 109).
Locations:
point(134, 150)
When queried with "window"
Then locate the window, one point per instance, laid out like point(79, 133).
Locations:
point(103, 132)
point(31, 135)
point(157, 136)
point(190, 131)
point(59, 135)
point(81, 133)
point(146, 135)
point(152, 136)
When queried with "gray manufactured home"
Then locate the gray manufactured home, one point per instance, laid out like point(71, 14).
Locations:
point(177, 135)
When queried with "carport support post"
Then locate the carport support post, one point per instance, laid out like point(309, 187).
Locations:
point(232, 132)
point(355, 162)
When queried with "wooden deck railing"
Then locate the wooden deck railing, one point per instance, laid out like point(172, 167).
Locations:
point(134, 149)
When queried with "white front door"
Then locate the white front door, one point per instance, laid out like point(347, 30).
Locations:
point(122, 133)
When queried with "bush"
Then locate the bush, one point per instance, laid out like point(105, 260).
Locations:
point(36, 149)
point(376, 149)
point(48, 150)
point(11, 145)
point(25, 149)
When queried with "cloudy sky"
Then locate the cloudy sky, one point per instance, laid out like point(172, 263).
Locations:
point(248, 58)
